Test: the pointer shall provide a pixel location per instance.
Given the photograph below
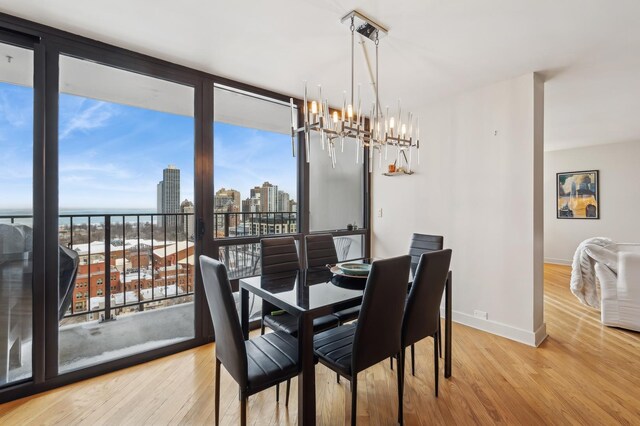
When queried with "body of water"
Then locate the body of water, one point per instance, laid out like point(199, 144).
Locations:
point(81, 216)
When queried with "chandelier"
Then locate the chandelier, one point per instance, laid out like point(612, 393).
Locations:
point(372, 130)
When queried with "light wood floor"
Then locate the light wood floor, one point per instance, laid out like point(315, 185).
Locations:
point(584, 373)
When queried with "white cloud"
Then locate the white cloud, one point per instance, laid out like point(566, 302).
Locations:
point(95, 116)
point(17, 114)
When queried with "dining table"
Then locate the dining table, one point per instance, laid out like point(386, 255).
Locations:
point(311, 293)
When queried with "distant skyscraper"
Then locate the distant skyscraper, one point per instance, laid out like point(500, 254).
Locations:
point(159, 198)
point(251, 205)
point(283, 201)
point(188, 221)
point(225, 198)
point(268, 197)
point(169, 194)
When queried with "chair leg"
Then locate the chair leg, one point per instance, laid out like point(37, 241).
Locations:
point(338, 378)
point(435, 360)
point(286, 400)
point(413, 359)
point(439, 337)
point(400, 385)
point(354, 399)
point(262, 327)
point(217, 391)
point(278, 392)
point(243, 410)
point(391, 362)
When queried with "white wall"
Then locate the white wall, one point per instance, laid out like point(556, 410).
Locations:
point(480, 185)
point(619, 198)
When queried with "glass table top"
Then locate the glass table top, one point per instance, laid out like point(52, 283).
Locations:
point(306, 290)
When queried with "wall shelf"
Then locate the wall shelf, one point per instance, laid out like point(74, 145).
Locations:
point(397, 173)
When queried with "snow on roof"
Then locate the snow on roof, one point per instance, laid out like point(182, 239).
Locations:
point(173, 248)
point(189, 260)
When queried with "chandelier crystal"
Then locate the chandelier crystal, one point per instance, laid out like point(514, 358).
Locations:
point(370, 129)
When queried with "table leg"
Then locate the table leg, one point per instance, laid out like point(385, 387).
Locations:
point(307, 376)
point(244, 312)
point(447, 325)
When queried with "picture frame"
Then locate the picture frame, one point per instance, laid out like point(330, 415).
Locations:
point(578, 195)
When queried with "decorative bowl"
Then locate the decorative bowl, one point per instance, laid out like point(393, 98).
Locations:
point(355, 268)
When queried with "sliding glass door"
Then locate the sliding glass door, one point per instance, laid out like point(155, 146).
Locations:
point(126, 213)
point(16, 212)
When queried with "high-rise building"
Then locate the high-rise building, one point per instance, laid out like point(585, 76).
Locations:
point(251, 205)
point(226, 201)
point(188, 221)
point(159, 198)
point(283, 201)
point(169, 195)
point(254, 192)
point(225, 198)
point(268, 197)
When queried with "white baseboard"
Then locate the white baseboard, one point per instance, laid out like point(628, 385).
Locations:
point(557, 261)
point(541, 334)
point(513, 333)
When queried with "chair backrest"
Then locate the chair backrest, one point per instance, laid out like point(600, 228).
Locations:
point(320, 250)
point(422, 243)
point(379, 324)
point(230, 348)
point(422, 312)
point(279, 255)
point(343, 246)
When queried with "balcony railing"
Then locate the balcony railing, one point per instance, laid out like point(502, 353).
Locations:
point(132, 262)
point(245, 224)
point(128, 262)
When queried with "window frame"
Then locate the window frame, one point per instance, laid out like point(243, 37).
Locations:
point(48, 44)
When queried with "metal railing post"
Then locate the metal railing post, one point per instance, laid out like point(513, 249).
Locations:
point(107, 269)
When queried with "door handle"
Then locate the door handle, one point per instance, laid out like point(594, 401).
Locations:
point(200, 229)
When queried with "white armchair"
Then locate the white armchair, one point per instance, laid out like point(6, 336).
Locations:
point(620, 295)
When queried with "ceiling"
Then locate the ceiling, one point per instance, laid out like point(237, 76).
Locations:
point(586, 49)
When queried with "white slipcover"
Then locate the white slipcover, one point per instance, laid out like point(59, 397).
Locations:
point(620, 295)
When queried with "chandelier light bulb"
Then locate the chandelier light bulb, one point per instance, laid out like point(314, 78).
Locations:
point(335, 116)
point(404, 130)
point(392, 123)
point(314, 107)
point(350, 111)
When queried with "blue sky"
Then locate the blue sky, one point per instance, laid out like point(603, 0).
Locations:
point(112, 155)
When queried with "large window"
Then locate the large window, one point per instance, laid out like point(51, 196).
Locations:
point(108, 193)
point(16, 210)
point(336, 195)
point(254, 175)
point(126, 192)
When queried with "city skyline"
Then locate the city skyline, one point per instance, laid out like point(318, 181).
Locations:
point(112, 155)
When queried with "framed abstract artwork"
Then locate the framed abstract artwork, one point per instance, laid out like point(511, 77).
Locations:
point(578, 195)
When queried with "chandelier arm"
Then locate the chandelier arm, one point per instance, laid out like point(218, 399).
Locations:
point(352, 59)
point(377, 80)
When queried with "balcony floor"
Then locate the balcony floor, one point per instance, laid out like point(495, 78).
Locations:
point(93, 342)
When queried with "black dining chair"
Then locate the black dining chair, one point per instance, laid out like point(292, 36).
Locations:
point(280, 255)
point(256, 364)
point(422, 310)
point(352, 348)
point(423, 243)
point(321, 251)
